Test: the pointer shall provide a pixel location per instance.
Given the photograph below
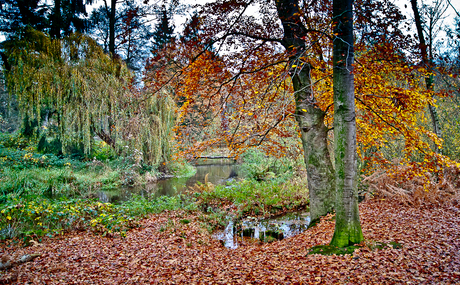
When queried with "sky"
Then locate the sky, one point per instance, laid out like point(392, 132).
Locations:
point(403, 4)
point(449, 15)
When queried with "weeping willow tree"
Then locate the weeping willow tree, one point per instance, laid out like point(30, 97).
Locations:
point(88, 93)
point(148, 130)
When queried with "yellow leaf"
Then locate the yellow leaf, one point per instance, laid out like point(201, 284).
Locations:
point(8, 217)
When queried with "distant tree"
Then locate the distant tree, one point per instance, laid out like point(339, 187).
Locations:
point(131, 35)
point(99, 26)
point(372, 28)
point(426, 27)
point(135, 35)
point(9, 120)
point(192, 29)
point(61, 18)
point(67, 16)
point(103, 25)
point(112, 21)
point(89, 94)
point(452, 55)
point(16, 14)
point(164, 30)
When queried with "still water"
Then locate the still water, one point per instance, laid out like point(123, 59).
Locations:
point(219, 172)
point(266, 230)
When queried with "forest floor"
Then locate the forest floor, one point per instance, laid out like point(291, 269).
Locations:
point(172, 248)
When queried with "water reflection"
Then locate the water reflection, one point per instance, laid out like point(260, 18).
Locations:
point(265, 230)
point(217, 174)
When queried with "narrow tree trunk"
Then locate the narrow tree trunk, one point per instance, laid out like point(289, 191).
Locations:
point(309, 117)
point(56, 19)
point(106, 138)
point(347, 225)
point(112, 27)
point(427, 61)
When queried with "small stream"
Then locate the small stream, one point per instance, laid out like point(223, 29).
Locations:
point(218, 172)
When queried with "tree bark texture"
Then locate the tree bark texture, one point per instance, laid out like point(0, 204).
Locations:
point(347, 226)
point(320, 173)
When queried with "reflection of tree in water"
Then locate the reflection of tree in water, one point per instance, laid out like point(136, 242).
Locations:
point(217, 174)
point(232, 174)
point(265, 230)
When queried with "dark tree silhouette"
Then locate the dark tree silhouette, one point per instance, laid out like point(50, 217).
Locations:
point(164, 31)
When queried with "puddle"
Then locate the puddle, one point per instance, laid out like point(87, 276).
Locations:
point(267, 230)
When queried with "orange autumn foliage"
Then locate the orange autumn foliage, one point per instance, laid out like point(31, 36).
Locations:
point(238, 93)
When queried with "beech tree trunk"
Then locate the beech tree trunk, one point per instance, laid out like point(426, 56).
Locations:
point(347, 225)
point(320, 173)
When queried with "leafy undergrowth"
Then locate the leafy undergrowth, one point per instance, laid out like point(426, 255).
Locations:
point(251, 198)
point(173, 248)
point(34, 219)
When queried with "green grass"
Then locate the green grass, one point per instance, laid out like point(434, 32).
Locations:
point(255, 198)
point(270, 187)
point(42, 194)
point(48, 201)
point(330, 250)
point(54, 182)
point(181, 168)
point(372, 245)
point(25, 218)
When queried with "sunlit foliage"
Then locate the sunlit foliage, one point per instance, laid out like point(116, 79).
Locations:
point(238, 74)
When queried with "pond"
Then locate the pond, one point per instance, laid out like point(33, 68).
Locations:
point(219, 171)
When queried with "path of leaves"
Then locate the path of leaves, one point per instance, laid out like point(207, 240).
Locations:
point(163, 252)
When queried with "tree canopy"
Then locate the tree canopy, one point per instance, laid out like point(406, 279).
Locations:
point(247, 75)
point(87, 93)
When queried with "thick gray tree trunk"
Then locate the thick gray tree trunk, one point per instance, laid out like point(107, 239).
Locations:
point(347, 226)
point(320, 173)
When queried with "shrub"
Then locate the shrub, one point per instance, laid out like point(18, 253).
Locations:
point(40, 217)
point(257, 166)
point(250, 197)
